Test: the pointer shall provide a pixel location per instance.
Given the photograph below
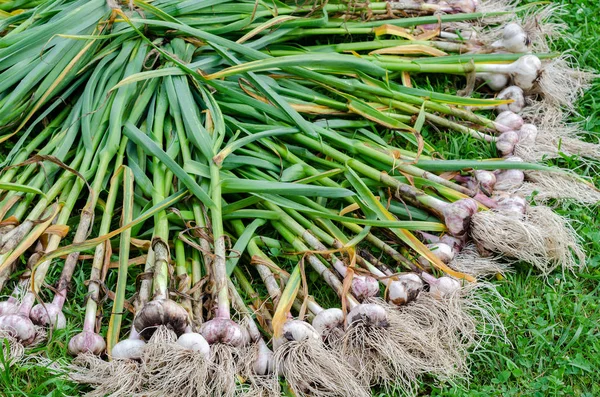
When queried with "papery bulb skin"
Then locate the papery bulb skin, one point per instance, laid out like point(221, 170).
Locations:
point(486, 179)
point(370, 314)
point(506, 142)
point(263, 364)
point(495, 81)
point(223, 330)
point(514, 39)
point(87, 342)
point(463, 6)
point(509, 179)
point(194, 342)
point(511, 204)
point(405, 289)
point(128, 349)
point(48, 314)
point(527, 135)
point(455, 243)
point(364, 287)
point(443, 251)
point(8, 307)
point(526, 71)
point(458, 215)
point(328, 320)
point(19, 327)
point(459, 6)
point(516, 94)
point(296, 331)
point(161, 312)
point(508, 121)
point(445, 286)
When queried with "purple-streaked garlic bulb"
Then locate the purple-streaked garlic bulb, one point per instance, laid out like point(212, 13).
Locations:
point(516, 94)
point(455, 243)
point(405, 289)
point(328, 320)
point(161, 312)
point(461, 6)
point(225, 331)
point(458, 215)
point(514, 39)
point(508, 121)
point(512, 204)
point(368, 313)
point(486, 179)
point(364, 287)
point(510, 179)
point(87, 342)
point(506, 142)
point(9, 306)
point(19, 326)
point(527, 135)
point(48, 314)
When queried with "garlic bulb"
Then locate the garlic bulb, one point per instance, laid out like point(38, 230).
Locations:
point(516, 94)
point(527, 134)
point(506, 142)
point(526, 71)
point(514, 39)
point(496, 81)
point(508, 121)
point(486, 179)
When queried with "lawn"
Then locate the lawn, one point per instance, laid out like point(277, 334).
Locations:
point(552, 324)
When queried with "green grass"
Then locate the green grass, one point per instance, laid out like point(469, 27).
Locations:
point(552, 324)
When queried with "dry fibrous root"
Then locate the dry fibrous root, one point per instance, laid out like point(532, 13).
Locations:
point(257, 372)
point(11, 349)
point(544, 186)
point(225, 361)
point(554, 140)
point(469, 261)
point(108, 378)
point(496, 5)
point(461, 321)
point(538, 236)
point(561, 82)
point(383, 352)
point(171, 369)
point(310, 368)
point(540, 27)
point(14, 328)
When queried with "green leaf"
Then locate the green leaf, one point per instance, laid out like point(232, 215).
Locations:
point(241, 244)
point(334, 61)
point(233, 185)
point(20, 188)
point(152, 149)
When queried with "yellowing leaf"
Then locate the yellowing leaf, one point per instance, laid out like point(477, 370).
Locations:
point(410, 49)
point(392, 30)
